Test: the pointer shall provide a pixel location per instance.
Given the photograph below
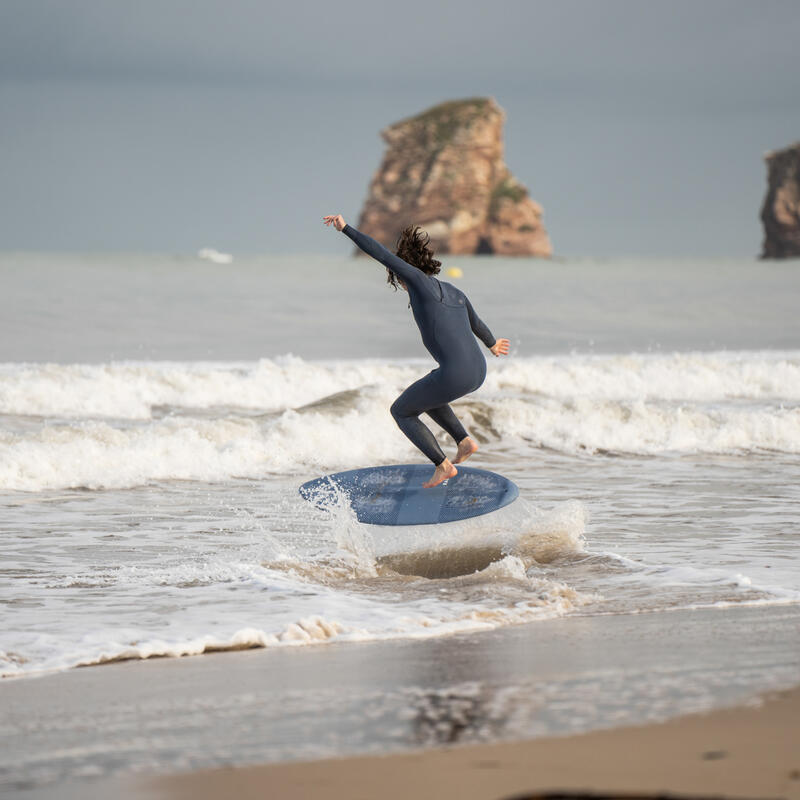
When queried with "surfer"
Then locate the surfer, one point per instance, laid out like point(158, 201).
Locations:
point(447, 321)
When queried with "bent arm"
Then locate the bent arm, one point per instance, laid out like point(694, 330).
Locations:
point(479, 327)
point(410, 275)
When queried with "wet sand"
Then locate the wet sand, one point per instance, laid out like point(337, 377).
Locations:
point(547, 706)
point(747, 752)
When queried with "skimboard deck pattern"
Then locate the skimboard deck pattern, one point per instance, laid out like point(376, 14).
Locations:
point(393, 494)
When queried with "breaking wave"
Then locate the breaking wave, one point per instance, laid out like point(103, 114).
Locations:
point(127, 424)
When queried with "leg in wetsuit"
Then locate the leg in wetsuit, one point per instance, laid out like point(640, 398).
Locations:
point(431, 395)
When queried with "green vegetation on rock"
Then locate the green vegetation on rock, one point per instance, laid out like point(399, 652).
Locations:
point(507, 189)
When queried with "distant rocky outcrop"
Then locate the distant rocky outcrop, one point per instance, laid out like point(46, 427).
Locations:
point(781, 210)
point(444, 170)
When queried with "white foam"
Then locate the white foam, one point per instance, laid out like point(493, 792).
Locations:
point(519, 529)
point(99, 428)
point(660, 576)
point(130, 390)
point(591, 424)
point(100, 455)
point(361, 619)
point(210, 254)
point(106, 454)
point(697, 376)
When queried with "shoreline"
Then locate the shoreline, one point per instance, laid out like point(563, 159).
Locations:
point(747, 751)
point(72, 734)
point(215, 650)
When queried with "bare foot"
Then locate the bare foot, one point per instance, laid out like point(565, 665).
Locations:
point(443, 472)
point(466, 447)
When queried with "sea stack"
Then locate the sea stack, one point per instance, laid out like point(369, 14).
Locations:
point(443, 169)
point(781, 210)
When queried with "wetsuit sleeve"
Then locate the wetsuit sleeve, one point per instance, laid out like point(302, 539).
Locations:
point(408, 273)
point(479, 326)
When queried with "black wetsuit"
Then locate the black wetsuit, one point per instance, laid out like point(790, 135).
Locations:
point(446, 321)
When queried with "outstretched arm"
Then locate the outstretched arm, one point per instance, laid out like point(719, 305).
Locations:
point(409, 274)
point(479, 328)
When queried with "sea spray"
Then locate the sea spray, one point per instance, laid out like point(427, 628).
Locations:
point(552, 534)
point(457, 548)
point(354, 542)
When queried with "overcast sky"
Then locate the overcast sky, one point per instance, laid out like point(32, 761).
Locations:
point(173, 124)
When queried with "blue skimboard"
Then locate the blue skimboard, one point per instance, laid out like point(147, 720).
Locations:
point(393, 495)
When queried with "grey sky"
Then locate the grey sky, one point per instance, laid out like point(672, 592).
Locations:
point(639, 126)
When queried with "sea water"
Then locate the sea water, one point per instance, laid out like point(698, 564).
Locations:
point(158, 413)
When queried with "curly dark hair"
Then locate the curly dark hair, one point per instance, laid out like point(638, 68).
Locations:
point(412, 247)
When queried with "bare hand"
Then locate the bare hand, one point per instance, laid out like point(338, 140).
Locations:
point(500, 347)
point(336, 219)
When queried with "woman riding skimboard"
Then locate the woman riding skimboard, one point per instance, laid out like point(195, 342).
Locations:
point(447, 322)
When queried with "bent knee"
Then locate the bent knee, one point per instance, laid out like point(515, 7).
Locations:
point(396, 410)
point(400, 410)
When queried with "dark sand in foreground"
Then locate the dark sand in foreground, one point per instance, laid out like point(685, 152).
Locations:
point(740, 752)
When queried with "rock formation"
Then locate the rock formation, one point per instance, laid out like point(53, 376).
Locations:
point(444, 170)
point(781, 210)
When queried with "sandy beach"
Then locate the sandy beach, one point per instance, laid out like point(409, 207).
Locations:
point(746, 751)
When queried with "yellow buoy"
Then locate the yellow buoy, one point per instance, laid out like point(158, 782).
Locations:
point(454, 272)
